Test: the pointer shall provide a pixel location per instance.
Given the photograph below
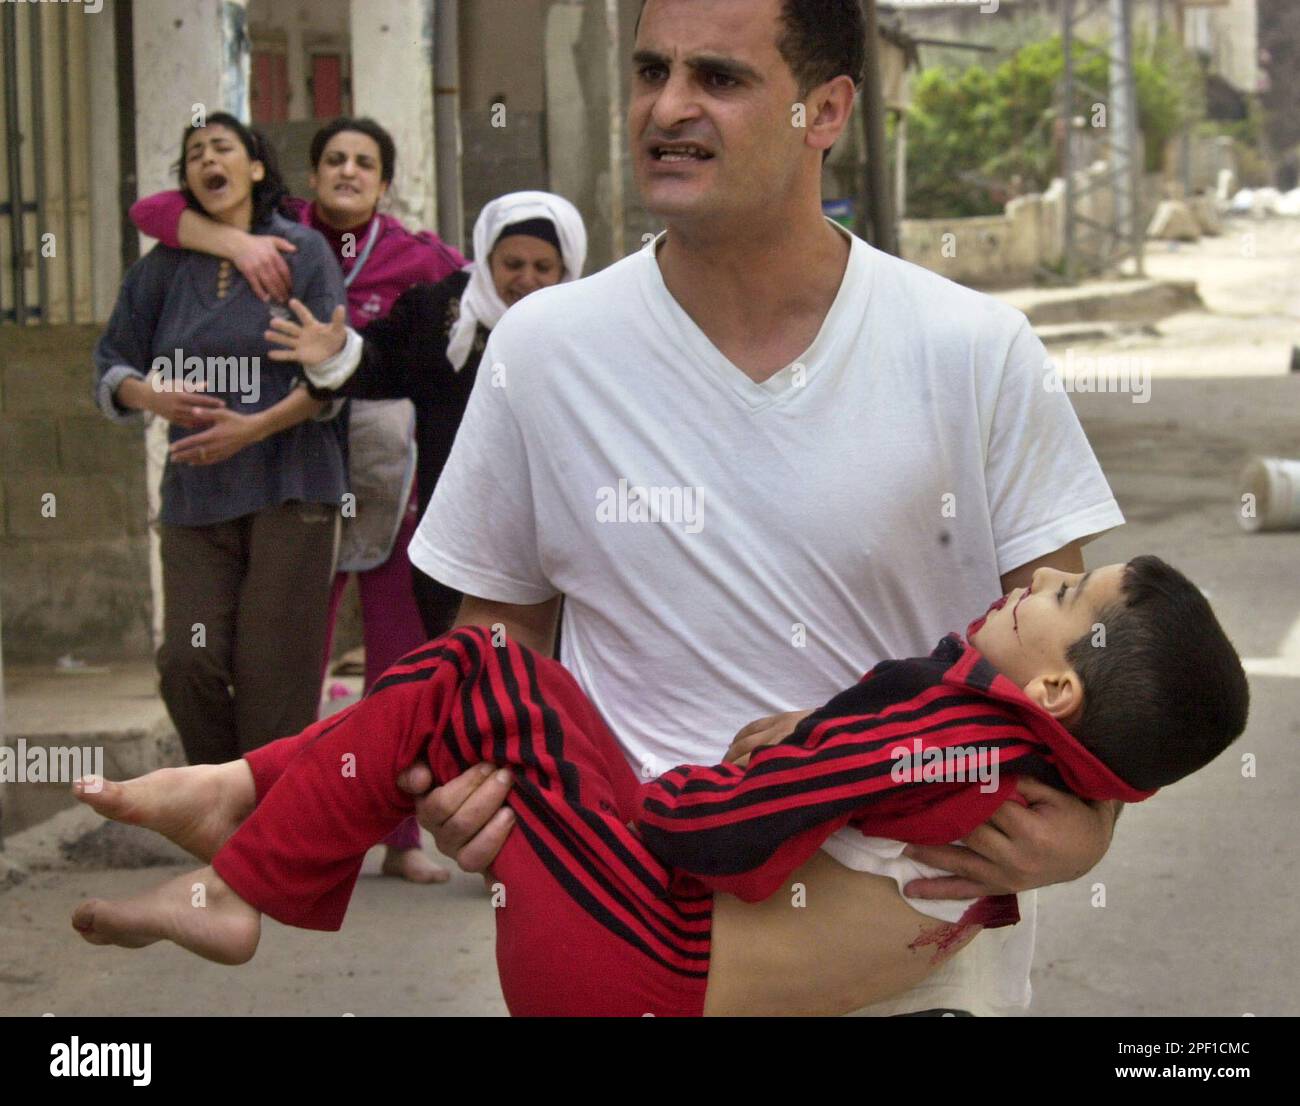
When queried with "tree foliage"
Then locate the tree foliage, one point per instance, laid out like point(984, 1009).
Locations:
point(978, 135)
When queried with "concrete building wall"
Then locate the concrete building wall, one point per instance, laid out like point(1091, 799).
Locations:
point(503, 102)
point(1229, 35)
point(73, 554)
point(73, 546)
point(501, 49)
point(392, 79)
point(182, 59)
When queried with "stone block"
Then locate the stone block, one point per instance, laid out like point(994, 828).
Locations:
point(1206, 213)
point(90, 444)
point(48, 369)
point(28, 445)
point(83, 597)
point(81, 507)
point(1174, 221)
point(24, 582)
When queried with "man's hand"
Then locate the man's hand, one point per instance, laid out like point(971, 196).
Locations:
point(467, 816)
point(308, 341)
point(228, 433)
point(1057, 838)
point(258, 259)
point(765, 731)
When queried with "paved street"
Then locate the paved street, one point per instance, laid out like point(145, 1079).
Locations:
point(1199, 897)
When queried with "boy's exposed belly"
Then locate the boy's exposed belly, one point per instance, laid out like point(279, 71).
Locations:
point(854, 941)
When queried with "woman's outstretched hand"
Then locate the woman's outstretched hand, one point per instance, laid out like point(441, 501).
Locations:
point(307, 341)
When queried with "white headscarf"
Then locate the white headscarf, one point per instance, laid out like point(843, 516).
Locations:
point(481, 303)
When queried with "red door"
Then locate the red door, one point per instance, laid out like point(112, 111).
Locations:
point(327, 85)
point(270, 87)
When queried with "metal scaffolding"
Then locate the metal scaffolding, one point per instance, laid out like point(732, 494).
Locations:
point(1103, 226)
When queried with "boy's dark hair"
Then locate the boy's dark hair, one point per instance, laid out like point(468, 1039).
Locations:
point(269, 193)
point(1166, 693)
point(820, 40)
point(363, 125)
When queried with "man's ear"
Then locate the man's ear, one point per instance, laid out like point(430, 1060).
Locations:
point(834, 109)
point(1060, 694)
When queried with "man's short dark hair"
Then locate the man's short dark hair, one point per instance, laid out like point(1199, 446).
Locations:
point(820, 40)
point(1164, 691)
point(366, 126)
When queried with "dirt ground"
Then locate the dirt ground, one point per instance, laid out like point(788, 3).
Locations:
point(1199, 906)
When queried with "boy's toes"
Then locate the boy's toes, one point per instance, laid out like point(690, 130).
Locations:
point(83, 921)
point(102, 922)
point(105, 796)
point(83, 918)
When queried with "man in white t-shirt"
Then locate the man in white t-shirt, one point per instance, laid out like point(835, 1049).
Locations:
point(757, 457)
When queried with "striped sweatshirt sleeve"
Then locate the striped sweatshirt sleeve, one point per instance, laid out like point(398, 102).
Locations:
point(858, 761)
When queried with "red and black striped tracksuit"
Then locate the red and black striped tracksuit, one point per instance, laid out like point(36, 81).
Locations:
point(593, 917)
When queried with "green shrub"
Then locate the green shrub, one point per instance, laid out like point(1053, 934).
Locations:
point(973, 132)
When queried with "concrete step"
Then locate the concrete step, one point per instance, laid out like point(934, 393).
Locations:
point(1113, 301)
point(1072, 334)
point(108, 716)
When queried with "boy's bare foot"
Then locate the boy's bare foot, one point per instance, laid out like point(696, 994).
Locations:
point(412, 865)
point(196, 807)
point(198, 911)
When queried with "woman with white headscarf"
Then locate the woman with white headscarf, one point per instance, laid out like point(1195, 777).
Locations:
point(429, 347)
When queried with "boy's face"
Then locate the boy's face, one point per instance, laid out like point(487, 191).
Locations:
point(1026, 634)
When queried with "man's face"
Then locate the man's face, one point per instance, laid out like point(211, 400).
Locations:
point(709, 82)
point(1026, 634)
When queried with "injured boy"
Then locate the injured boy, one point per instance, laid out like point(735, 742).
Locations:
point(615, 896)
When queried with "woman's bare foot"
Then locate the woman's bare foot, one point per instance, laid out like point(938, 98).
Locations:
point(198, 911)
point(412, 865)
point(196, 807)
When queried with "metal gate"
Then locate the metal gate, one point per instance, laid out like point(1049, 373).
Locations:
point(45, 274)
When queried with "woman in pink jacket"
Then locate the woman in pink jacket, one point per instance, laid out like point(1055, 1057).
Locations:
point(352, 169)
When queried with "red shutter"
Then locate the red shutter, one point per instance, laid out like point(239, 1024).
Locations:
point(270, 91)
point(327, 85)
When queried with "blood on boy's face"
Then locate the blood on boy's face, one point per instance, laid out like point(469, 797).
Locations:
point(1027, 633)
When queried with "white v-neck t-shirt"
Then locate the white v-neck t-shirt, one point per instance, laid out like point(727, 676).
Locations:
point(729, 549)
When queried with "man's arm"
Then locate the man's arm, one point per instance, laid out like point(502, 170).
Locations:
point(1068, 558)
point(467, 816)
point(532, 625)
point(1056, 838)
